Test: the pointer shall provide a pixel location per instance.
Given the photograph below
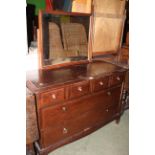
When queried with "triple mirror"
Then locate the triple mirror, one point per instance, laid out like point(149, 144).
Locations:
point(64, 37)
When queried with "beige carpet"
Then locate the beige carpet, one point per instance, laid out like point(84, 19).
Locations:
point(112, 139)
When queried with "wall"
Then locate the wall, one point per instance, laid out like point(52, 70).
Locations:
point(40, 4)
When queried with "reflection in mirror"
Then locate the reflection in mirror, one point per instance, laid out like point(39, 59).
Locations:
point(65, 38)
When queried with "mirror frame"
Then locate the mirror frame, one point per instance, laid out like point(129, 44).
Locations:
point(40, 40)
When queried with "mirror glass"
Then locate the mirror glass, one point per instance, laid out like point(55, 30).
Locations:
point(64, 38)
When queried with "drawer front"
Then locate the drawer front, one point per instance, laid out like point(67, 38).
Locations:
point(79, 125)
point(79, 89)
point(55, 116)
point(100, 84)
point(110, 112)
point(117, 78)
point(52, 97)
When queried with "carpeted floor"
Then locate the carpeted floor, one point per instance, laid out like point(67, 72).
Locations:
point(112, 139)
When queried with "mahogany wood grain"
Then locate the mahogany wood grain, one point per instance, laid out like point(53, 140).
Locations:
point(100, 83)
point(51, 78)
point(53, 97)
point(71, 110)
point(79, 89)
point(116, 78)
point(43, 151)
point(79, 124)
point(80, 105)
point(66, 64)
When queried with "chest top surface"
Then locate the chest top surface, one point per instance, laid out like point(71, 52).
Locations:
point(41, 79)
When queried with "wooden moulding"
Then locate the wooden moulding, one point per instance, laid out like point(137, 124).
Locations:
point(98, 53)
point(57, 12)
point(90, 40)
point(65, 64)
point(40, 40)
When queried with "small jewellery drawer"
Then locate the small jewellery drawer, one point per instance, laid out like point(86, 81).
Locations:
point(100, 83)
point(79, 89)
point(53, 96)
point(116, 78)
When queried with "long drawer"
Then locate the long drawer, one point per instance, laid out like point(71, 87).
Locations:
point(55, 116)
point(80, 124)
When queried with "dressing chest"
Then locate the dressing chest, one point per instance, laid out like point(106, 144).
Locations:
point(74, 93)
point(75, 101)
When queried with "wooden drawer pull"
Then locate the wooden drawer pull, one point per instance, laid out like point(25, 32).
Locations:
point(86, 129)
point(64, 108)
point(53, 96)
point(65, 131)
point(101, 83)
point(118, 78)
point(41, 84)
point(107, 110)
point(79, 88)
point(109, 93)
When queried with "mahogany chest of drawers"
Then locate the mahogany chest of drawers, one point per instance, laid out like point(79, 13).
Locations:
point(73, 102)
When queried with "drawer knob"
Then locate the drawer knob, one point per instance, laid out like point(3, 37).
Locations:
point(64, 108)
point(118, 78)
point(107, 110)
point(65, 131)
point(41, 84)
point(79, 88)
point(86, 129)
point(101, 83)
point(53, 96)
point(109, 93)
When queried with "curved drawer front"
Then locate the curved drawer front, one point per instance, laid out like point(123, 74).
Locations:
point(78, 125)
point(52, 97)
point(79, 89)
point(56, 115)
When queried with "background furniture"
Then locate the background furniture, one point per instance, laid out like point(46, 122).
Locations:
point(32, 134)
